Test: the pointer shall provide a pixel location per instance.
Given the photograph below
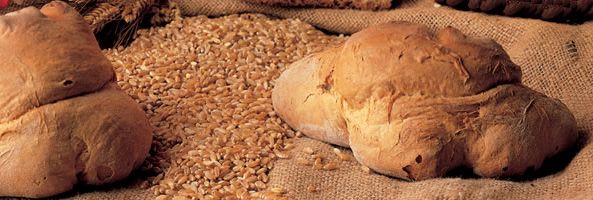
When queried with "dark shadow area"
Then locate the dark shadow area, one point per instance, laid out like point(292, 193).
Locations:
point(395, 3)
point(119, 33)
point(550, 166)
point(133, 181)
point(574, 18)
point(462, 172)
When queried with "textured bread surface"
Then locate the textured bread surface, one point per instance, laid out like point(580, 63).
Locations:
point(63, 120)
point(415, 104)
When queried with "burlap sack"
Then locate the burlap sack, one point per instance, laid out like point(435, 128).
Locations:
point(555, 58)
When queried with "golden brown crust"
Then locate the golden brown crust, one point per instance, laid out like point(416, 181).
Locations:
point(49, 149)
point(63, 120)
point(306, 96)
point(41, 77)
point(404, 58)
point(417, 105)
point(358, 4)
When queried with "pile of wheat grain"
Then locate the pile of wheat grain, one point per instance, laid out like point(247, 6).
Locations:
point(206, 84)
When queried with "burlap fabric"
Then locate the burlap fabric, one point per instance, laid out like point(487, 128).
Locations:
point(555, 58)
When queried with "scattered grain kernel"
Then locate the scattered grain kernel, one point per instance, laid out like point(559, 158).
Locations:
point(315, 156)
point(303, 161)
point(267, 196)
point(277, 190)
point(344, 156)
point(336, 150)
point(318, 164)
point(282, 155)
point(366, 169)
point(308, 150)
point(162, 197)
point(180, 198)
point(330, 166)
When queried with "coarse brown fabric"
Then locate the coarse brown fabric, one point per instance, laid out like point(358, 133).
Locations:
point(127, 189)
point(554, 59)
point(357, 4)
point(117, 193)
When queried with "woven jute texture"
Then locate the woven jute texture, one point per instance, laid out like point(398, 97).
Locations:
point(555, 59)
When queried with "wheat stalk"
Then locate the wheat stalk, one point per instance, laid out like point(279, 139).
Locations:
point(165, 14)
point(100, 15)
point(132, 9)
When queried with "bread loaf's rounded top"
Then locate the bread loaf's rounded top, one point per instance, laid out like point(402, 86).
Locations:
point(409, 59)
point(38, 67)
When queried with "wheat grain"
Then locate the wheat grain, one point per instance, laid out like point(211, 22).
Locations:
point(318, 164)
point(366, 169)
point(308, 150)
point(101, 14)
point(343, 156)
point(330, 166)
point(205, 85)
point(131, 10)
point(165, 14)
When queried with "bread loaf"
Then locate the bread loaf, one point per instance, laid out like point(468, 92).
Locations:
point(415, 104)
point(63, 119)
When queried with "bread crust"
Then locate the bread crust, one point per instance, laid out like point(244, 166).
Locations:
point(63, 119)
point(416, 104)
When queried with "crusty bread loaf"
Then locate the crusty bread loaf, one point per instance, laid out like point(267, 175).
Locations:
point(358, 4)
point(63, 119)
point(416, 104)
